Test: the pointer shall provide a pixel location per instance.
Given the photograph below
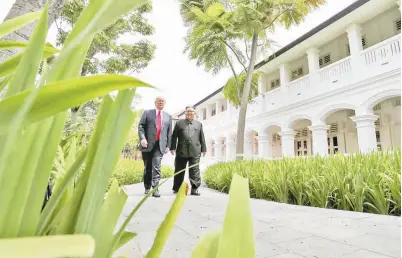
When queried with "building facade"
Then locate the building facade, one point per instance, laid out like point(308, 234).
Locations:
point(336, 89)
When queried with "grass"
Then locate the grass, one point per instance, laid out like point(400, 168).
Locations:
point(364, 183)
point(129, 171)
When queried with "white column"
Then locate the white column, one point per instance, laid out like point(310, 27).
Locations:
point(218, 150)
point(208, 111)
point(284, 76)
point(366, 132)
point(228, 110)
point(230, 148)
point(288, 142)
point(248, 148)
point(261, 87)
point(264, 146)
point(218, 107)
point(199, 115)
point(355, 44)
point(320, 139)
point(313, 56)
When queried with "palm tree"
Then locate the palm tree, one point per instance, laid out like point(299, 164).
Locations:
point(21, 7)
point(231, 21)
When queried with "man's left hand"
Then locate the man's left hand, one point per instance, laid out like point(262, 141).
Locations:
point(167, 150)
point(203, 154)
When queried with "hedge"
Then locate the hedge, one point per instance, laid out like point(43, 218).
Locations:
point(364, 183)
point(129, 171)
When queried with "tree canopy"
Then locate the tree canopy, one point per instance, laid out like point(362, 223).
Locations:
point(217, 27)
point(107, 54)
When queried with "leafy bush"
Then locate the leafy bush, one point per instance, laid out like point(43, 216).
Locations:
point(129, 171)
point(365, 183)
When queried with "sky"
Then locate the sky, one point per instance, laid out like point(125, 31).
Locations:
point(177, 78)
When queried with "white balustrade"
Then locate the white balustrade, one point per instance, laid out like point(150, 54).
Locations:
point(382, 53)
point(299, 84)
point(335, 70)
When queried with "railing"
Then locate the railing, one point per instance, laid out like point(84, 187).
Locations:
point(217, 118)
point(382, 52)
point(272, 94)
point(300, 83)
point(336, 69)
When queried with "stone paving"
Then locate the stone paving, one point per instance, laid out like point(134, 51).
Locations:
point(281, 230)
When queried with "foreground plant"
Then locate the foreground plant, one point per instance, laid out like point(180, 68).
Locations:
point(79, 220)
point(236, 238)
point(32, 117)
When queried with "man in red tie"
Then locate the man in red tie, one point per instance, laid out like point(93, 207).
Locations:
point(155, 132)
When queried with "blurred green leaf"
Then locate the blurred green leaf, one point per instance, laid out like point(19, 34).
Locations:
point(165, 228)
point(11, 64)
point(18, 22)
point(108, 149)
point(125, 238)
point(6, 44)
point(58, 193)
point(14, 187)
point(52, 98)
point(237, 239)
point(48, 247)
point(109, 214)
point(208, 245)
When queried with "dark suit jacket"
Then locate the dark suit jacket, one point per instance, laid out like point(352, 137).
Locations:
point(188, 139)
point(147, 130)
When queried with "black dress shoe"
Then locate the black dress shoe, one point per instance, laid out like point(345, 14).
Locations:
point(156, 193)
point(195, 192)
point(146, 191)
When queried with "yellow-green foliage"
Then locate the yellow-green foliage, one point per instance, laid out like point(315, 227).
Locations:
point(129, 171)
point(365, 183)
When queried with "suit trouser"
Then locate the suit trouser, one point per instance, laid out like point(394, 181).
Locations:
point(180, 163)
point(152, 166)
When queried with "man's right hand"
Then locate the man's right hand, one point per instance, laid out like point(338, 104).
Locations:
point(144, 143)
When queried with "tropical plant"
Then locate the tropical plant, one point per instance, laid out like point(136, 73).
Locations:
point(235, 240)
point(32, 117)
point(363, 183)
point(217, 26)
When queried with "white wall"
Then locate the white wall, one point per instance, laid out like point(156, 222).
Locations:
point(381, 27)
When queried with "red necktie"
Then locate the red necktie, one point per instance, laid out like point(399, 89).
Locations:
point(158, 126)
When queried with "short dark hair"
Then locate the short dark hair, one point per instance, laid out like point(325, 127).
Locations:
point(192, 107)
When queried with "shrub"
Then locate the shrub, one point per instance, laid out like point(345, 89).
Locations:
point(129, 171)
point(365, 183)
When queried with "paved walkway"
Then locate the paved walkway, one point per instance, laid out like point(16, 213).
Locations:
point(281, 230)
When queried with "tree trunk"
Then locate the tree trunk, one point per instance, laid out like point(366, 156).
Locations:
point(21, 7)
point(244, 101)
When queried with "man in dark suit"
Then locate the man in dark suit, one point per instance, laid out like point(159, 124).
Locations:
point(188, 142)
point(155, 131)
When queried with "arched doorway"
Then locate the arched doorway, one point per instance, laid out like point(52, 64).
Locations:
point(303, 137)
point(388, 125)
point(342, 133)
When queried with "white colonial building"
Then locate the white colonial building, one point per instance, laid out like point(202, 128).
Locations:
point(335, 89)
